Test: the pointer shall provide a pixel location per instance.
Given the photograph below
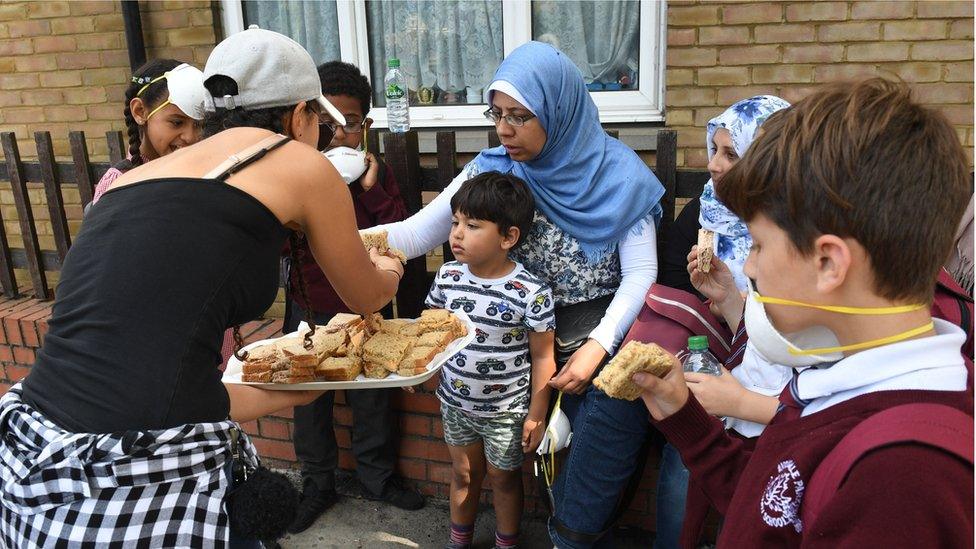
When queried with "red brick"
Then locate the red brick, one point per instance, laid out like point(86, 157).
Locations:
point(24, 355)
point(274, 429)
point(440, 472)
point(437, 428)
point(42, 328)
point(6, 353)
point(16, 373)
point(287, 413)
point(415, 425)
point(342, 415)
point(4, 387)
point(29, 333)
point(251, 427)
point(274, 449)
point(424, 449)
point(412, 468)
point(413, 402)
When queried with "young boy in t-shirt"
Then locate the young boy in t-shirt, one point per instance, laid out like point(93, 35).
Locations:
point(493, 394)
point(852, 198)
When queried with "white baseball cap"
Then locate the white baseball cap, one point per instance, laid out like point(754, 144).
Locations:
point(270, 69)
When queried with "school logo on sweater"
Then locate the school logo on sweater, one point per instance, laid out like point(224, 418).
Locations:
point(780, 505)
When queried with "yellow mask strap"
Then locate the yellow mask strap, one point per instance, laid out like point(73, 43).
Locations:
point(841, 309)
point(150, 83)
point(154, 111)
point(867, 344)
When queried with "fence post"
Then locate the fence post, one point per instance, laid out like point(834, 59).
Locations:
point(116, 147)
point(52, 190)
point(28, 230)
point(447, 170)
point(402, 154)
point(493, 140)
point(83, 172)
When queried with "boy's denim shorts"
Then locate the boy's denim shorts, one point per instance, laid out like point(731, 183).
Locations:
point(501, 434)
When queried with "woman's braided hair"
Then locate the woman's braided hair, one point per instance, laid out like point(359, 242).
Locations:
point(152, 96)
point(269, 119)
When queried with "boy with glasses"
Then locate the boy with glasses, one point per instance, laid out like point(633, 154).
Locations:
point(376, 199)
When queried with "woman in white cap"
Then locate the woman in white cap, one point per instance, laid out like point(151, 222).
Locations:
point(123, 432)
point(163, 111)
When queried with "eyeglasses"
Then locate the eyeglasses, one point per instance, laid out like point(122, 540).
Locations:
point(352, 127)
point(513, 119)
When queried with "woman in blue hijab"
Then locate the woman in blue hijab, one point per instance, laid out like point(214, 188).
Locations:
point(593, 238)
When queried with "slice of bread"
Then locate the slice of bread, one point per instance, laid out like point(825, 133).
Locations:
point(417, 359)
point(412, 329)
point(393, 326)
point(257, 366)
point(375, 371)
point(706, 248)
point(436, 339)
point(288, 377)
point(302, 370)
point(257, 377)
point(339, 369)
point(326, 344)
point(345, 320)
point(386, 349)
point(378, 239)
point(635, 357)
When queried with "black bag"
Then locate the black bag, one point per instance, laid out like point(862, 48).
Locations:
point(574, 324)
point(261, 503)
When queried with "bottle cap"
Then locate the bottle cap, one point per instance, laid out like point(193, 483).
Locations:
point(698, 343)
point(393, 63)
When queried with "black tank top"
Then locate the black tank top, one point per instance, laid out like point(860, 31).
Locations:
point(158, 272)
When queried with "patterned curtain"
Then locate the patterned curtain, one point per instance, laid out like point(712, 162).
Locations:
point(312, 24)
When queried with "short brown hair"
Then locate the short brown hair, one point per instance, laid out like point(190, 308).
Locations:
point(860, 160)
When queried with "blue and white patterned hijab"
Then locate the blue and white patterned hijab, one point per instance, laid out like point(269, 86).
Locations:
point(733, 241)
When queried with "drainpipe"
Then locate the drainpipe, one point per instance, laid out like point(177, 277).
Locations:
point(133, 34)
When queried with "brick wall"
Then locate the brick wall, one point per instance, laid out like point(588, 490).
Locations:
point(720, 52)
point(64, 65)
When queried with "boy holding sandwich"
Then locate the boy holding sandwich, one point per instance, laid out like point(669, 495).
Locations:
point(850, 229)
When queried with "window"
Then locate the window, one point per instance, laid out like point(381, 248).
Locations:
point(449, 49)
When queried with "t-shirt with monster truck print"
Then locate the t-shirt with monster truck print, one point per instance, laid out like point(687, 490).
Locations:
point(492, 374)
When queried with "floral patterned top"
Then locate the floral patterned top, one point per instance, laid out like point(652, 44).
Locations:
point(557, 258)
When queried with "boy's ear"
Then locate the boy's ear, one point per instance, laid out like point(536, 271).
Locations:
point(833, 255)
point(510, 238)
point(138, 109)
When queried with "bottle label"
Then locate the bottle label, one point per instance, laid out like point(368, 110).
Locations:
point(394, 92)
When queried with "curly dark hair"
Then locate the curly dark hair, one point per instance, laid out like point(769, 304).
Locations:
point(152, 96)
point(271, 118)
point(340, 78)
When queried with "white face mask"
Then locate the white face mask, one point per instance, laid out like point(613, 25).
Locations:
point(558, 433)
point(185, 86)
point(775, 347)
point(350, 163)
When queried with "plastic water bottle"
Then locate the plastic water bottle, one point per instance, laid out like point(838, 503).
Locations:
point(699, 359)
point(397, 100)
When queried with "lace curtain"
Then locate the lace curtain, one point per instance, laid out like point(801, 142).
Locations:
point(447, 50)
point(602, 38)
point(314, 25)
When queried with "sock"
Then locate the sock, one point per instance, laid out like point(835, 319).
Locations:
point(504, 540)
point(462, 533)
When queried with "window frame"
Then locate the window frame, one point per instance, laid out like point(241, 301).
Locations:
point(646, 104)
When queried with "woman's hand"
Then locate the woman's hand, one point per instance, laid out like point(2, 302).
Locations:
point(386, 262)
point(532, 431)
point(717, 284)
point(663, 397)
point(719, 395)
point(575, 376)
point(369, 179)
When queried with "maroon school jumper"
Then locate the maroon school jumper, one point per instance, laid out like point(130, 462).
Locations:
point(903, 496)
point(379, 205)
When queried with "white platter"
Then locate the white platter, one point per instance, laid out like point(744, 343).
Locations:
point(232, 374)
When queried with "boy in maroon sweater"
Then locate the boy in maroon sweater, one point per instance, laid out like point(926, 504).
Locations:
point(376, 200)
point(852, 198)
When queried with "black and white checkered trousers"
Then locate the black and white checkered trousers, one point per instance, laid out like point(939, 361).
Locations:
point(159, 488)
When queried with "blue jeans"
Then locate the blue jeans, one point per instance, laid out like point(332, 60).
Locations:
point(672, 491)
point(607, 437)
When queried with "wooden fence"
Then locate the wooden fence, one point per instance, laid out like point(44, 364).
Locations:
point(401, 153)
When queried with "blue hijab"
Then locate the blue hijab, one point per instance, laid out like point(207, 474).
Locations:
point(590, 185)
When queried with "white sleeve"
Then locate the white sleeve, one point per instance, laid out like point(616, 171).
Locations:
point(638, 269)
point(431, 226)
